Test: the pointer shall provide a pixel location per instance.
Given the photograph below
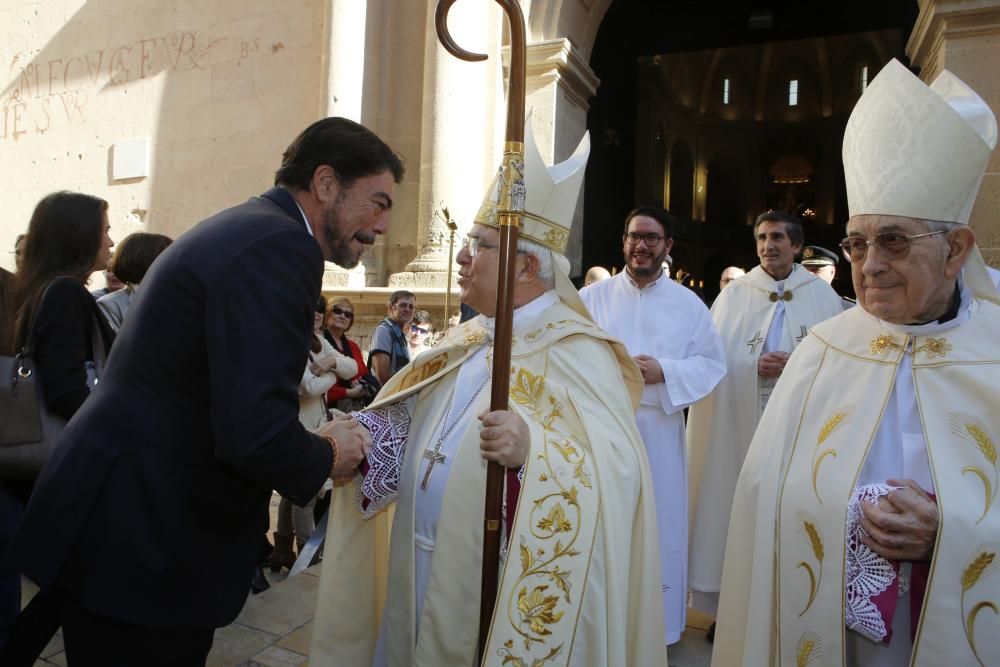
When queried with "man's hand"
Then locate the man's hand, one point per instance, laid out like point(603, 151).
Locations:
point(903, 525)
point(357, 391)
point(504, 438)
point(771, 364)
point(652, 372)
point(353, 442)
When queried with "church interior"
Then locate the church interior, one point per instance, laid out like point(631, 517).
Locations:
point(721, 111)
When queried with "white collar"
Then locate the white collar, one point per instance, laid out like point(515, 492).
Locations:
point(628, 276)
point(304, 218)
point(525, 313)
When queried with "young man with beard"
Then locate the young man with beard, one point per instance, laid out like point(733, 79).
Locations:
point(762, 316)
point(144, 529)
point(669, 333)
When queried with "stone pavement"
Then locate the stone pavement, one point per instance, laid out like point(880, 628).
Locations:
point(275, 628)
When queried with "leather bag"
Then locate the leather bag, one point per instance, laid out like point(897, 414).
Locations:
point(28, 431)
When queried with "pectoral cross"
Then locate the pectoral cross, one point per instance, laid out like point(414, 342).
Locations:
point(433, 456)
point(803, 332)
point(754, 342)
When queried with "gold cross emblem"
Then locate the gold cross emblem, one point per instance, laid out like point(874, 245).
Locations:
point(754, 342)
point(803, 332)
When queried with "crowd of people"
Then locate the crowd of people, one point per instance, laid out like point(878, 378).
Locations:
point(814, 472)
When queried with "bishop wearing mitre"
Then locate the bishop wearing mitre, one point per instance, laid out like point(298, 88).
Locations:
point(580, 581)
point(866, 528)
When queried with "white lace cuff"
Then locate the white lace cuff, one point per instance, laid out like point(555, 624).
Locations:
point(377, 485)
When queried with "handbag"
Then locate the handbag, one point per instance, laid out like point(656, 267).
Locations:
point(28, 431)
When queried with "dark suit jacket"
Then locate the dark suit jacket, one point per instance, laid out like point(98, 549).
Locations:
point(153, 507)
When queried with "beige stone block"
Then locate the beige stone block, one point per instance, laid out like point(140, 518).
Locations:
point(236, 643)
point(276, 656)
point(299, 641)
point(232, 81)
point(282, 609)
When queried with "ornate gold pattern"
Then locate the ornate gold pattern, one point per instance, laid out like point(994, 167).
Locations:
point(552, 517)
point(551, 326)
point(808, 649)
point(972, 430)
point(807, 527)
point(508, 656)
point(420, 373)
point(882, 344)
point(832, 425)
point(981, 564)
point(510, 196)
point(478, 338)
point(934, 347)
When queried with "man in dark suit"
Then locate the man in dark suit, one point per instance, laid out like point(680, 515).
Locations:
point(144, 529)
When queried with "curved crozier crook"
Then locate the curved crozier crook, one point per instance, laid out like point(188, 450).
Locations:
point(441, 23)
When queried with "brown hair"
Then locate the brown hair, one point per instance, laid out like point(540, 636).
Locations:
point(63, 239)
point(134, 255)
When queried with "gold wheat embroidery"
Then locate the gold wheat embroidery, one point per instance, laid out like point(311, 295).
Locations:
point(972, 430)
point(982, 564)
point(831, 426)
point(808, 649)
point(807, 527)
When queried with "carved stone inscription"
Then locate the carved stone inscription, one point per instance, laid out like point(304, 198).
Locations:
point(43, 93)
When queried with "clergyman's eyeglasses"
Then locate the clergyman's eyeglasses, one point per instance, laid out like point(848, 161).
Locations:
point(651, 240)
point(891, 245)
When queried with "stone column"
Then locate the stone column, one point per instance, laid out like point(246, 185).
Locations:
point(560, 85)
point(963, 36)
point(461, 104)
point(341, 91)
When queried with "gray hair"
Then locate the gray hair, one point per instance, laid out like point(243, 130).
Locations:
point(546, 269)
point(938, 226)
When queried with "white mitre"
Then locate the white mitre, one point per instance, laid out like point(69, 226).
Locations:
point(920, 151)
point(550, 198)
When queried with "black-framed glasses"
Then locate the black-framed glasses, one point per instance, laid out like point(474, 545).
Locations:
point(336, 310)
point(651, 240)
point(891, 245)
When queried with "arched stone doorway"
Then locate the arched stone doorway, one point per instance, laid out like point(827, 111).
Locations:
point(664, 67)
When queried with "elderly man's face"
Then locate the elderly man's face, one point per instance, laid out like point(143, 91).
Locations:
point(478, 275)
point(917, 287)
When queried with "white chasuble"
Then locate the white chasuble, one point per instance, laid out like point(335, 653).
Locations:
point(666, 321)
point(580, 585)
point(844, 415)
point(721, 426)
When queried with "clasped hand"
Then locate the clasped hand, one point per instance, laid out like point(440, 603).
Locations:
point(652, 372)
point(504, 438)
point(771, 364)
point(903, 525)
point(353, 443)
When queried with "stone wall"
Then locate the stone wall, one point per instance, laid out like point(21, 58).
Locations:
point(218, 88)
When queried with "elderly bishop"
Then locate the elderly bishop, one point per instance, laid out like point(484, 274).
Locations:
point(865, 526)
point(580, 583)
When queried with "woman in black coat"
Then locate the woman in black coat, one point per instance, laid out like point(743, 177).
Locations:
point(67, 240)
